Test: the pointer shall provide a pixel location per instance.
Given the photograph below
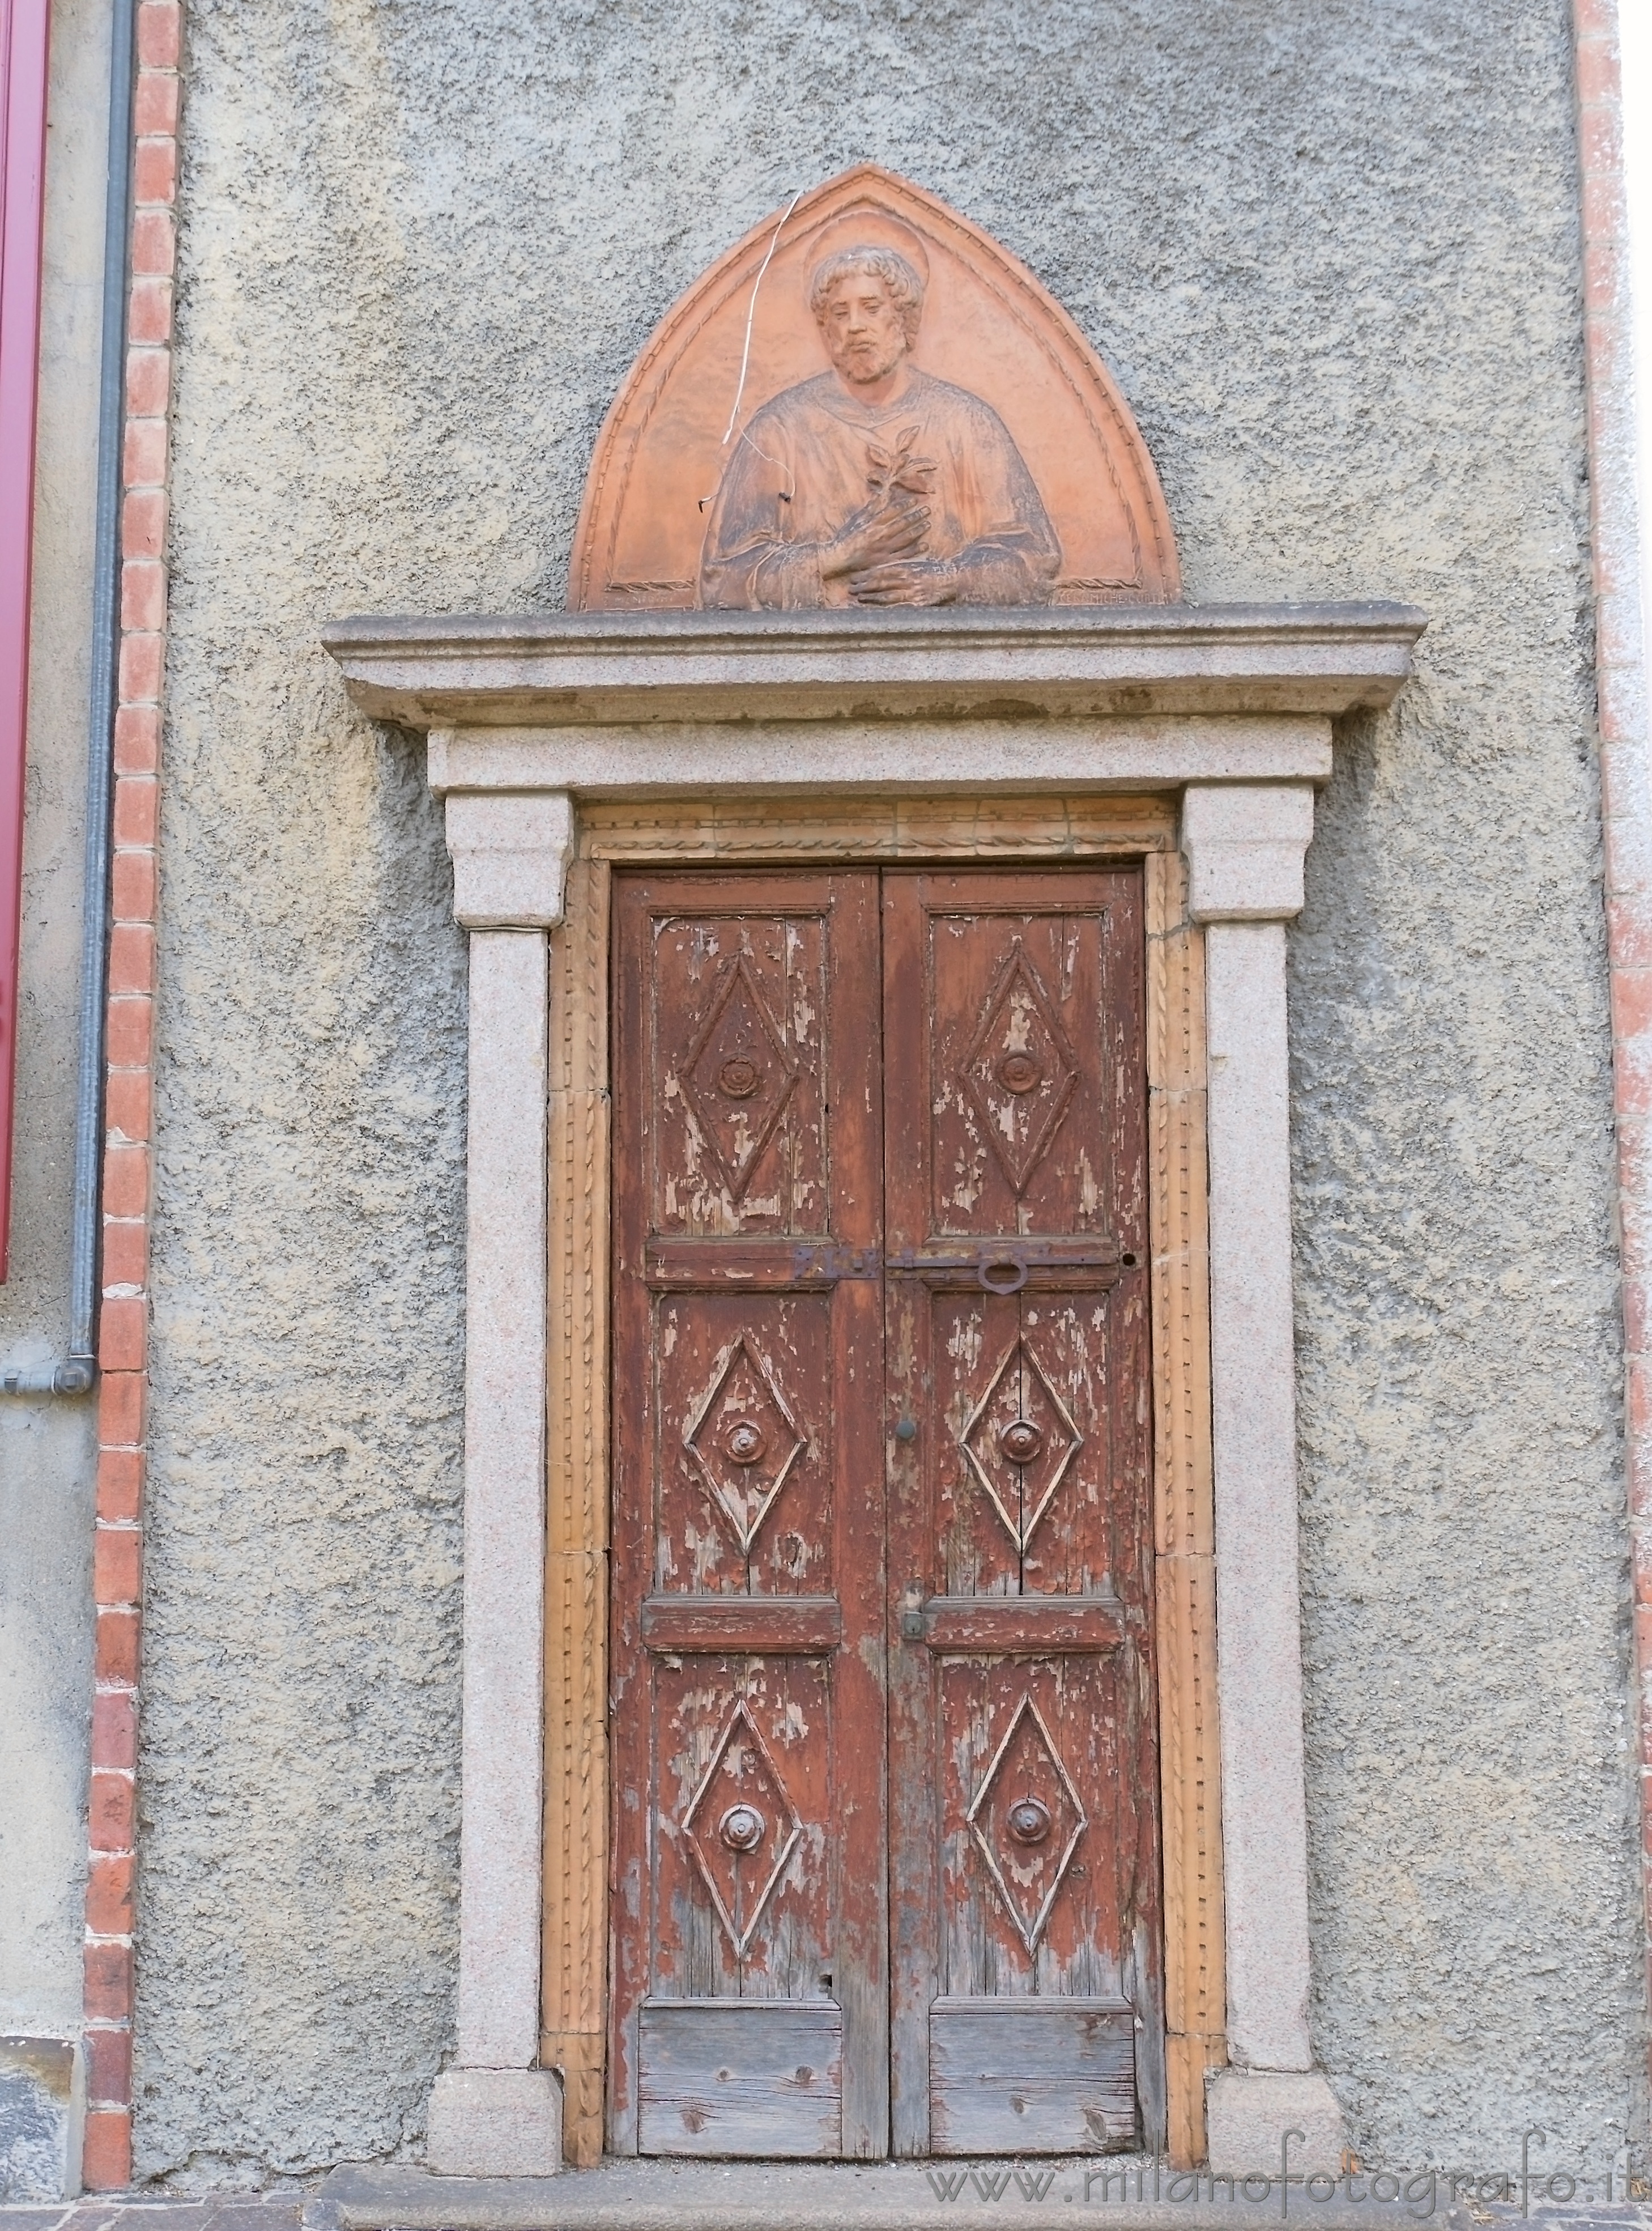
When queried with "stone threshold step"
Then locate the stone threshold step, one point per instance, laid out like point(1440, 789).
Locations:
point(662, 2196)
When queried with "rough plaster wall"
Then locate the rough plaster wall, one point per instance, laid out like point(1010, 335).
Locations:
point(1330, 251)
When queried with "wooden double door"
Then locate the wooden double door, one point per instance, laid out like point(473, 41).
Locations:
point(887, 1872)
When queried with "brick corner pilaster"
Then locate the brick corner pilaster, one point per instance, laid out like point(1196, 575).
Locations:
point(128, 1147)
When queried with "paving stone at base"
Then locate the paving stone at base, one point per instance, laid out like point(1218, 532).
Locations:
point(1586, 2215)
point(657, 2196)
point(279, 2210)
point(970, 2196)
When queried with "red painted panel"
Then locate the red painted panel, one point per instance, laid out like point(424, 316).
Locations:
point(24, 30)
point(1023, 1769)
point(750, 1993)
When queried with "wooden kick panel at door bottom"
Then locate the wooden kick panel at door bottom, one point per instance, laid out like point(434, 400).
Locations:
point(1035, 2076)
point(761, 2076)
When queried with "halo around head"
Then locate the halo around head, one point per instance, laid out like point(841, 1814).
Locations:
point(865, 227)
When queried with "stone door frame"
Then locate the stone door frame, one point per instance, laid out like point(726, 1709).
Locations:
point(1193, 739)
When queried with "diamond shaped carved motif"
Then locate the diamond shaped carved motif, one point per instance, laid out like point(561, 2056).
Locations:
point(1027, 1821)
point(1020, 1072)
point(738, 1074)
point(1019, 1441)
point(741, 1828)
point(744, 1439)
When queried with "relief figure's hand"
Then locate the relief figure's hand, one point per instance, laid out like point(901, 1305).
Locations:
point(872, 536)
point(906, 581)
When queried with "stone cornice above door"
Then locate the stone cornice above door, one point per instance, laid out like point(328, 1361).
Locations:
point(574, 679)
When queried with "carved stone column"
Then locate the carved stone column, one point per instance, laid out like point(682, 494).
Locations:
point(1244, 847)
point(494, 2113)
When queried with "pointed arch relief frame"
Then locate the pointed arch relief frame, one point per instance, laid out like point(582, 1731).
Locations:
point(744, 332)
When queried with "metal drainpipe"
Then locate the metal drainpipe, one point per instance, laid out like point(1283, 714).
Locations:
point(74, 1372)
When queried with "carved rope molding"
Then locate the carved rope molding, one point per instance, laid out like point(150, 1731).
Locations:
point(567, 743)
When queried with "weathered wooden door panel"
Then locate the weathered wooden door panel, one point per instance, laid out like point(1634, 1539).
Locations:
point(815, 1895)
point(1018, 1027)
point(750, 1986)
point(744, 1387)
point(1024, 1862)
point(742, 1790)
point(736, 1017)
point(1028, 1908)
point(1052, 2076)
point(763, 2079)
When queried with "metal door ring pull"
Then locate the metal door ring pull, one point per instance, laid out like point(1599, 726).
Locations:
point(991, 1270)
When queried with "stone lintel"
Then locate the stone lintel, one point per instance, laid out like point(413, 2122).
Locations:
point(890, 758)
point(586, 669)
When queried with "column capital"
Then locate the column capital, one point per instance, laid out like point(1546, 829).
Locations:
point(1244, 842)
point(510, 850)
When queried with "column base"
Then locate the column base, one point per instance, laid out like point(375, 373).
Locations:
point(495, 2122)
point(1248, 2112)
point(42, 2116)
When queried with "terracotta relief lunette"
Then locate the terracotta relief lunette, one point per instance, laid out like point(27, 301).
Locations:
point(876, 482)
point(865, 401)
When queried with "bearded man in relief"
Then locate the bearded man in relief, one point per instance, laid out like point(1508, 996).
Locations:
point(874, 483)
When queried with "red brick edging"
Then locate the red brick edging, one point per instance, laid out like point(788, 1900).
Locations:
point(123, 1346)
point(1625, 782)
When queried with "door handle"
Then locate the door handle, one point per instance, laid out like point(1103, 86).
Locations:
point(993, 1263)
point(1001, 1265)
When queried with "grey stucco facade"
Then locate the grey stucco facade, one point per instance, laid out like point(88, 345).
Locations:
point(1332, 258)
point(48, 1446)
